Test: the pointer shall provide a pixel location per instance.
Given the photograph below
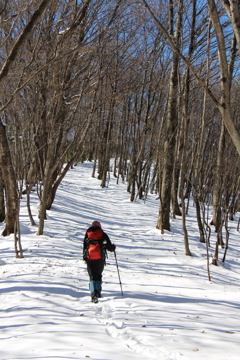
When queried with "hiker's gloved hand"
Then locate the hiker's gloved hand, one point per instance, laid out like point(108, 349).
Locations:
point(85, 255)
point(113, 248)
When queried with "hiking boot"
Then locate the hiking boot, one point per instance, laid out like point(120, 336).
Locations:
point(97, 294)
point(95, 300)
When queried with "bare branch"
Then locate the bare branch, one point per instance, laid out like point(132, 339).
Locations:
point(21, 39)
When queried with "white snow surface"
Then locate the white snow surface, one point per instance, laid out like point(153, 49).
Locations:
point(169, 309)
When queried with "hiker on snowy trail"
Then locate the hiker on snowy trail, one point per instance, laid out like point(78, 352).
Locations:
point(96, 243)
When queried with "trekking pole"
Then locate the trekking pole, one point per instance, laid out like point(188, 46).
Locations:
point(118, 272)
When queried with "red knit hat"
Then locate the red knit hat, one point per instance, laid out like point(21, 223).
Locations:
point(96, 223)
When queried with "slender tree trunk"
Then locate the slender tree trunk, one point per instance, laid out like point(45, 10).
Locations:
point(17, 236)
point(218, 179)
point(227, 239)
point(10, 182)
point(169, 144)
point(199, 155)
point(46, 187)
point(107, 144)
point(221, 147)
point(199, 220)
point(233, 10)
point(175, 205)
point(2, 202)
point(224, 105)
point(29, 206)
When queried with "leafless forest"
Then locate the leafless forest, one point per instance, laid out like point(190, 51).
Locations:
point(153, 85)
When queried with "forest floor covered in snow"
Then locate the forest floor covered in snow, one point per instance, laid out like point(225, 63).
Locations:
point(169, 309)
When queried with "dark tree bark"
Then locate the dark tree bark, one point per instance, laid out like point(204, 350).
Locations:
point(10, 182)
point(172, 122)
point(2, 202)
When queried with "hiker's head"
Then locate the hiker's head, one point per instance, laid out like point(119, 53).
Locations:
point(96, 223)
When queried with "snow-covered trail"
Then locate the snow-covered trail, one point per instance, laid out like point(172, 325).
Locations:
point(169, 310)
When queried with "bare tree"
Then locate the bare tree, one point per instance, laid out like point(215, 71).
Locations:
point(10, 182)
point(233, 11)
point(172, 122)
point(224, 104)
point(8, 172)
point(221, 147)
